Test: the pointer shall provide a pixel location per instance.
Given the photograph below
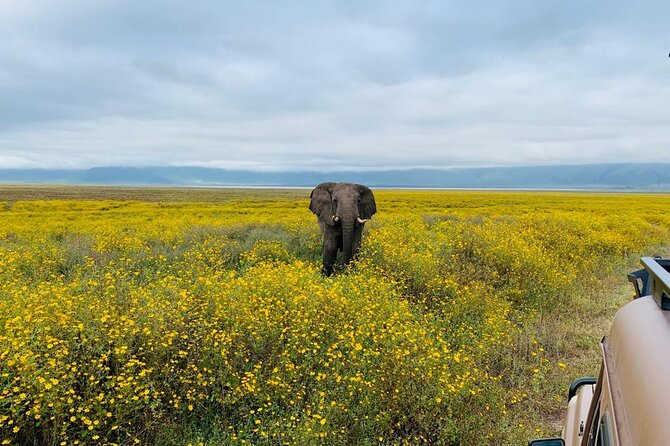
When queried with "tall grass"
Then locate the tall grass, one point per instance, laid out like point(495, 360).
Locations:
point(174, 323)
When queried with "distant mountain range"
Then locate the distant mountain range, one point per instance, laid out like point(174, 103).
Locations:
point(587, 176)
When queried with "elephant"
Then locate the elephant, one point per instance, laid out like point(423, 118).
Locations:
point(342, 210)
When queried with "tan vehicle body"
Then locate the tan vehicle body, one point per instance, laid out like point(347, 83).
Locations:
point(578, 410)
point(630, 402)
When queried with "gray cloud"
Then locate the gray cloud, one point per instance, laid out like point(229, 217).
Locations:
point(330, 85)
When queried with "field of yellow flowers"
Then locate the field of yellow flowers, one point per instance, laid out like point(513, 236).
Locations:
point(176, 316)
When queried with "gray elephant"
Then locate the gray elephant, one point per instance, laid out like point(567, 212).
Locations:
point(342, 210)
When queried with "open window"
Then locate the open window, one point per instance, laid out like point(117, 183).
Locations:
point(601, 429)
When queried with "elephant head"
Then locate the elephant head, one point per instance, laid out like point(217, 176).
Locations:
point(342, 210)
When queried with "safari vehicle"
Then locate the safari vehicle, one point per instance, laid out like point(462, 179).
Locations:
point(629, 402)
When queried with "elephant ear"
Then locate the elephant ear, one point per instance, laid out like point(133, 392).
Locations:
point(320, 198)
point(367, 207)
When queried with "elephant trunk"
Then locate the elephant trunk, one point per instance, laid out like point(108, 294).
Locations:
point(348, 226)
point(347, 242)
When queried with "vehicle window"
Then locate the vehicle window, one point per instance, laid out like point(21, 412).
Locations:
point(593, 432)
point(604, 437)
point(601, 432)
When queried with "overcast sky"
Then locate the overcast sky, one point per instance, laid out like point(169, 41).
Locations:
point(333, 85)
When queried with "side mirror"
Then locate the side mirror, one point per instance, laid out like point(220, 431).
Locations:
point(547, 442)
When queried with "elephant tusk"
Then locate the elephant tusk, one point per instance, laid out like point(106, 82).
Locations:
point(336, 218)
point(361, 220)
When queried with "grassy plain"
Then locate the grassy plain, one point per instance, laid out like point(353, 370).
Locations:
point(177, 316)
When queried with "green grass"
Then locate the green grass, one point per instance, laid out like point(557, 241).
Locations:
point(512, 284)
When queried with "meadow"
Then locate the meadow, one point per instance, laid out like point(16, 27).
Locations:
point(199, 316)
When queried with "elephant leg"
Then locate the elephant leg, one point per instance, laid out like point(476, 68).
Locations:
point(329, 252)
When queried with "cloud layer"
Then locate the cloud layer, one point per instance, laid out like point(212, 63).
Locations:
point(332, 85)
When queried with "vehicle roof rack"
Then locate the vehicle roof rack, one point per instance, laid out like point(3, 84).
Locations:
point(653, 279)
